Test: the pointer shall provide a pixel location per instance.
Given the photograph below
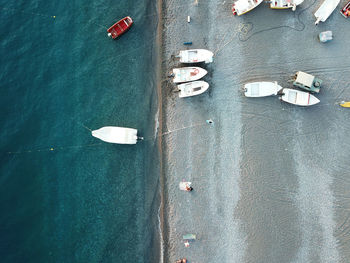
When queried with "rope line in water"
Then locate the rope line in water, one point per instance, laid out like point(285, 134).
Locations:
point(28, 13)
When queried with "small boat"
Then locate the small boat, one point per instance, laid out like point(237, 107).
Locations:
point(195, 56)
point(298, 97)
point(189, 237)
point(188, 74)
point(345, 104)
point(241, 7)
point(346, 10)
point(118, 135)
point(307, 82)
point(192, 88)
point(325, 10)
point(285, 4)
point(120, 27)
point(261, 89)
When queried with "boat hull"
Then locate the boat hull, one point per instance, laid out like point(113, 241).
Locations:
point(261, 89)
point(325, 10)
point(345, 104)
point(187, 74)
point(119, 135)
point(195, 56)
point(298, 97)
point(120, 27)
point(241, 7)
point(194, 88)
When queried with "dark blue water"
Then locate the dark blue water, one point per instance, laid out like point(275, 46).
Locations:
point(64, 195)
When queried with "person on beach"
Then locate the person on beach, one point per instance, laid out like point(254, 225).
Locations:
point(187, 244)
point(189, 188)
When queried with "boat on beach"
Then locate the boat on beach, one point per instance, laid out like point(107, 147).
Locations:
point(120, 27)
point(307, 82)
point(298, 97)
point(186, 74)
point(285, 4)
point(195, 56)
point(261, 89)
point(193, 88)
point(325, 10)
point(120, 135)
point(241, 7)
point(345, 104)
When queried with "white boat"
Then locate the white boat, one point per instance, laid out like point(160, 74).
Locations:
point(188, 74)
point(241, 7)
point(261, 89)
point(285, 4)
point(195, 56)
point(192, 88)
point(119, 135)
point(298, 97)
point(325, 10)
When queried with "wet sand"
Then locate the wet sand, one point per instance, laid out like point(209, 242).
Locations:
point(271, 181)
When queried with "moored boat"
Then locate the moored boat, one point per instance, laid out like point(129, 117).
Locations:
point(193, 88)
point(186, 74)
point(261, 89)
point(195, 56)
point(325, 10)
point(241, 7)
point(120, 27)
point(298, 97)
point(285, 4)
point(118, 135)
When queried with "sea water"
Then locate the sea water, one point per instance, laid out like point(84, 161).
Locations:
point(65, 196)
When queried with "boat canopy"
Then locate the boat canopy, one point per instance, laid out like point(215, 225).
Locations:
point(114, 134)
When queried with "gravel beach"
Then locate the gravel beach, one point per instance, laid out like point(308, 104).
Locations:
point(271, 181)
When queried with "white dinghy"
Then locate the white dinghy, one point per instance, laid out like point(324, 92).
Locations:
point(261, 89)
point(298, 97)
point(325, 10)
point(119, 135)
point(241, 7)
point(195, 56)
point(285, 4)
point(188, 74)
point(192, 88)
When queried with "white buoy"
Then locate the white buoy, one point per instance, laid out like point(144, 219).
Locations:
point(188, 19)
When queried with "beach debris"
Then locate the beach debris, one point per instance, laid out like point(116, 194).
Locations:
point(188, 43)
point(325, 10)
point(186, 243)
point(185, 186)
point(182, 260)
point(188, 19)
point(187, 238)
point(325, 36)
point(210, 121)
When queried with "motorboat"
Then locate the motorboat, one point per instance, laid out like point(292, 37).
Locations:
point(195, 56)
point(261, 89)
point(188, 74)
point(120, 27)
point(298, 97)
point(345, 11)
point(193, 88)
point(120, 135)
point(285, 4)
point(325, 10)
point(345, 104)
point(307, 82)
point(241, 7)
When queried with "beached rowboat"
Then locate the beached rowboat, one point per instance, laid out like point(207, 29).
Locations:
point(285, 4)
point(120, 27)
point(298, 97)
point(261, 89)
point(241, 7)
point(192, 88)
point(118, 135)
point(188, 74)
point(195, 56)
point(325, 10)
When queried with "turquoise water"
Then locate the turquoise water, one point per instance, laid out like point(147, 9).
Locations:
point(66, 196)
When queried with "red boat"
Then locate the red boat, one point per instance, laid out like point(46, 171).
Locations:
point(120, 27)
point(346, 10)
